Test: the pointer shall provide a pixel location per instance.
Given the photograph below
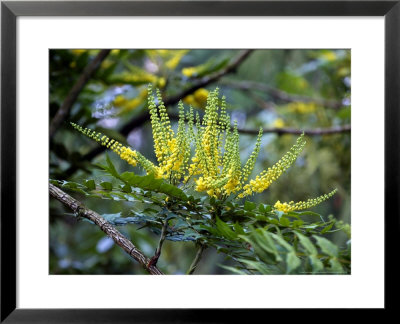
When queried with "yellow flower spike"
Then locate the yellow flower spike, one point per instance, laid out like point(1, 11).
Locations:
point(301, 205)
point(265, 178)
point(249, 166)
point(164, 118)
point(125, 153)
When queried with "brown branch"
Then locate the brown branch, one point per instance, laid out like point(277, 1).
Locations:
point(310, 132)
point(78, 208)
point(280, 95)
point(73, 94)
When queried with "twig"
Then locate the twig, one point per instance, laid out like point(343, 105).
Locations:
point(196, 260)
point(78, 208)
point(73, 94)
point(310, 132)
point(154, 259)
point(280, 95)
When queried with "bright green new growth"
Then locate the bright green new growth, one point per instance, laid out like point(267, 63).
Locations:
point(215, 167)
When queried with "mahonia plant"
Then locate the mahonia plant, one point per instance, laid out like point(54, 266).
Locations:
point(204, 153)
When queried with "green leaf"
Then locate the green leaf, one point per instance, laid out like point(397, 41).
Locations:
point(327, 246)
point(111, 168)
point(239, 229)
point(249, 205)
point(264, 208)
point(256, 265)
point(327, 228)
point(106, 185)
point(282, 242)
point(284, 221)
point(263, 245)
point(127, 188)
point(335, 266)
point(90, 184)
point(316, 263)
point(292, 261)
point(225, 230)
point(297, 223)
point(148, 182)
point(232, 269)
point(307, 244)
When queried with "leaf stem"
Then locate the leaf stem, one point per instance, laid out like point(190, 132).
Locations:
point(196, 260)
point(154, 259)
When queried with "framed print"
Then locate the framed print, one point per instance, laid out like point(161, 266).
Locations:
point(238, 150)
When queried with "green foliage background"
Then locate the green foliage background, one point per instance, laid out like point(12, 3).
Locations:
point(316, 82)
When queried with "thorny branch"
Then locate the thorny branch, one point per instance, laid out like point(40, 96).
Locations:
point(78, 208)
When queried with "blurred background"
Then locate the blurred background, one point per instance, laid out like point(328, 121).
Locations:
point(284, 91)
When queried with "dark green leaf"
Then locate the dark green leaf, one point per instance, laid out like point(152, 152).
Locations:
point(292, 261)
point(106, 185)
point(225, 230)
point(284, 221)
point(316, 263)
point(249, 205)
point(327, 246)
point(307, 244)
point(327, 228)
point(90, 184)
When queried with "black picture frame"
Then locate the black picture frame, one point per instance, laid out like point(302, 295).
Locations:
point(9, 13)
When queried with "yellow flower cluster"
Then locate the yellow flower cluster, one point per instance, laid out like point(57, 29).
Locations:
point(215, 167)
point(292, 206)
point(217, 157)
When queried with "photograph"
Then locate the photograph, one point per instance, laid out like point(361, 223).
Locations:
point(200, 161)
